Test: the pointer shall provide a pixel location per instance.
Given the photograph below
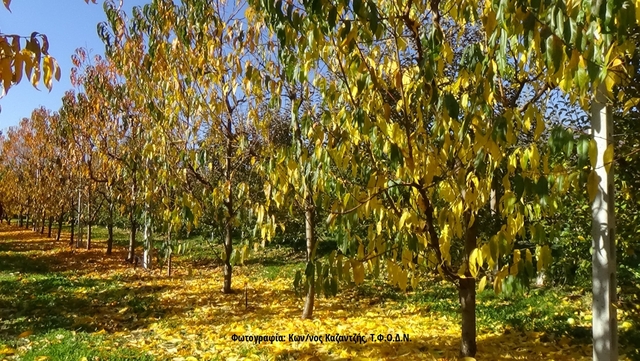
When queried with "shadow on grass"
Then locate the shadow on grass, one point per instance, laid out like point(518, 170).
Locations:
point(499, 348)
point(87, 291)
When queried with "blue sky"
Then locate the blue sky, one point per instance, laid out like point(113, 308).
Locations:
point(68, 24)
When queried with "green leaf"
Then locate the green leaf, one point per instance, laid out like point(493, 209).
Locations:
point(554, 53)
point(583, 151)
point(518, 183)
point(608, 157)
point(373, 16)
point(357, 6)
point(333, 14)
point(451, 104)
point(542, 186)
point(310, 270)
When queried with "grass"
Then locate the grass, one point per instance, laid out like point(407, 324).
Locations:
point(71, 345)
point(68, 305)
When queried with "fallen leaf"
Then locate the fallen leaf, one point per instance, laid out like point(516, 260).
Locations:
point(25, 334)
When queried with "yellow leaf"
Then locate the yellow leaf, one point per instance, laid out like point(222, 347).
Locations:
point(616, 62)
point(48, 66)
point(398, 79)
point(35, 77)
point(41, 358)
point(6, 72)
point(414, 282)
point(358, 272)
point(6, 351)
point(25, 334)
point(608, 157)
point(18, 63)
point(482, 284)
point(593, 153)
point(403, 219)
point(593, 181)
point(57, 70)
point(402, 280)
point(473, 263)
point(539, 126)
point(609, 82)
point(528, 116)
point(468, 359)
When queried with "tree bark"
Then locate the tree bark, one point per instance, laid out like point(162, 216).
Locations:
point(148, 245)
point(79, 238)
point(72, 229)
point(60, 220)
point(26, 221)
point(89, 220)
point(307, 312)
point(110, 239)
point(89, 225)
point(132, 237)
point(467, 294)
point(110, 230)
point(228, 248)
point(50, 226)
point(43, 224)
point(228, 228)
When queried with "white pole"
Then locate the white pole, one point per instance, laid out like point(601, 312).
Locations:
point(605, 325)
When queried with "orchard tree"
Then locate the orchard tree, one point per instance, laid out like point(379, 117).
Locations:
point(427, 132)
point(186, 65)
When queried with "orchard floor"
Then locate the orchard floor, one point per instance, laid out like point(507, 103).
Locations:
point(60, 304)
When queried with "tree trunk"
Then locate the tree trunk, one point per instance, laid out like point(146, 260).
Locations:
point(60, 220)
point(89, 225)
point(132, 238)
point(72, 229)
point(79, 238)
point(26, 221)
point(110, 230)
point(50, 226)
point(228, 245)
point(467, 294)
point(131, 257)
point(148, 245)
point(43, 224)
point(89, 220)
point(20, 218)
point(228, 248)
point(307, 312)
point(110, 239)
